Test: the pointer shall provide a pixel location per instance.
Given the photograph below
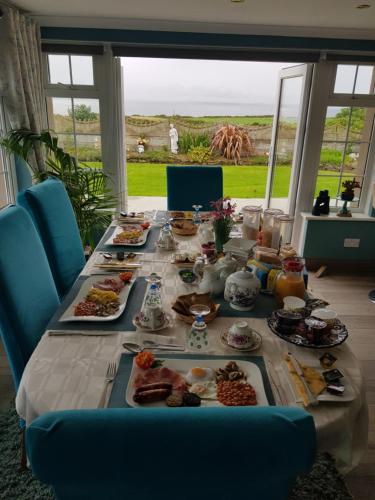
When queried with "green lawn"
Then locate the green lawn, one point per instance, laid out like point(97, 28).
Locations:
point(149, 179)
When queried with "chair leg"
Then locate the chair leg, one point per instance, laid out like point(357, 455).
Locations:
point(23, 463)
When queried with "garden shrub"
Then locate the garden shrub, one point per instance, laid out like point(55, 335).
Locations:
point(199, 154)
point(189, 140)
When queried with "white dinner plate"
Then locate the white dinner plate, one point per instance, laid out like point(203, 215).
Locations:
point(119, 230)
point(183, 365)
point(84, 290)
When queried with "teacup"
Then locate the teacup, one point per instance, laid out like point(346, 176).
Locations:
point(152, 318)
point(327, 315)
point(292, 303)
point(240, 335)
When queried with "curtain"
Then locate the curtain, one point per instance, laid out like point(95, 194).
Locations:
point(21, 74)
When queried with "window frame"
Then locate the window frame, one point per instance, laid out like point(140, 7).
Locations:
point(349, 101)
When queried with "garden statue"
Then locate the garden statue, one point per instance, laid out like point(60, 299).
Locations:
point(173, 134)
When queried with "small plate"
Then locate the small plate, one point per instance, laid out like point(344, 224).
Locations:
point(254, 347)
point(167, 323)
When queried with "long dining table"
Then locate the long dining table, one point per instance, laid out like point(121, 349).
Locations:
point(68, 368)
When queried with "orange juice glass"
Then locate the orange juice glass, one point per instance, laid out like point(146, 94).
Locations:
point(290, 282)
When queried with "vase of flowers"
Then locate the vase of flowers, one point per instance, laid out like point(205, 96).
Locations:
point(222, 221)
point(347, 195)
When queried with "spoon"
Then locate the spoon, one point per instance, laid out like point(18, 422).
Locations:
point(136, 348)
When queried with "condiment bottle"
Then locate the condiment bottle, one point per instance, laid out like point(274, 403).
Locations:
point(267, 225)
point(290, 281)
point(198, 336)
point(251, 221)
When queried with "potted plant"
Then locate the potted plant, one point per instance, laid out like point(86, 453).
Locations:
point(222, 221)
point(350, 186)
point(91, 199)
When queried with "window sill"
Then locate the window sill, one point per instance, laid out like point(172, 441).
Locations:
point(356, 217)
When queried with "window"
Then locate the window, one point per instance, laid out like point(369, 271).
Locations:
point(348, 129)
point(6, 185)
point(73, 106)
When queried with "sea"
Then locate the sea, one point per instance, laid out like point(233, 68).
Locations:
point(201, 108)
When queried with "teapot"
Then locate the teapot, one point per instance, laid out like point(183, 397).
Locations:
point(242, 289)
point(226, 265)
point(211, 282)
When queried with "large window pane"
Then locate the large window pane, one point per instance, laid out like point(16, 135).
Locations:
point(345, 76)
point(86, 115)
point(364, 80)
point(355, 158)
point(331, 157)
point(67, 143)
point(361, 122)
point(82, 70)
point(59, 71)
point(336, 124)
point(60, 117)
point(331, 183)
point(89, 149)
point(286, 136)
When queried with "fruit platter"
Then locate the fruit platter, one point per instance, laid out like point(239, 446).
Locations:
point(303, 329)
point(129, 234)
point(100, 299)
point(191, 382)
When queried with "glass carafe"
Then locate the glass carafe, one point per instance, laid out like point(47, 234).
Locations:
point(290, 281)
point(251, 222)
point(282, 230)
point(267, 225)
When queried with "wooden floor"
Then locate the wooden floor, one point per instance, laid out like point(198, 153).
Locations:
point(347, 294)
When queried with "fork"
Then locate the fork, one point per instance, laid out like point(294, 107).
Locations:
point(110, 375)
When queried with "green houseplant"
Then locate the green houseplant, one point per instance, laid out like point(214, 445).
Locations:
point(86, 187)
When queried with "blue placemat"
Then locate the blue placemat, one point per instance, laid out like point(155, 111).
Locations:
point(147, 247)
point(264, 306)
point(124, 322)
point(117, 398)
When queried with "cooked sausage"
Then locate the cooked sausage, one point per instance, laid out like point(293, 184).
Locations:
point(151, 396)
point(156, 385)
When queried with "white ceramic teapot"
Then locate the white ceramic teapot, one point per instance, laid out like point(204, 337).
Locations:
point(242, 289)
point(226, 265)
point(211, 282)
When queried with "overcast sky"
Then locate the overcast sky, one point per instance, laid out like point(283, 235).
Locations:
point(155, 86)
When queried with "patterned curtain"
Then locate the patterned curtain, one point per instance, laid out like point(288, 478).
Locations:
point(21, 74)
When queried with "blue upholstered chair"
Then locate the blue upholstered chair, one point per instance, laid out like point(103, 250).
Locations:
point(28, 296)
point(49, 206)
point(172, 453)
point(187, 186)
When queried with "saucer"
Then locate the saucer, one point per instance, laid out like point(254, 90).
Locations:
point(256, 345)
point(166, 324)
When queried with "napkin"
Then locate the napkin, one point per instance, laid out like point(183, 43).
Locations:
point(313, 378)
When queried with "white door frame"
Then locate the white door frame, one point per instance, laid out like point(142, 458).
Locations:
point(304, 71)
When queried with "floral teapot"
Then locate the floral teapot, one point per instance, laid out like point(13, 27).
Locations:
point(242, 289)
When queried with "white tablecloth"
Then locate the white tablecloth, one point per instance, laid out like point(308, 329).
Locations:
point(67, 372)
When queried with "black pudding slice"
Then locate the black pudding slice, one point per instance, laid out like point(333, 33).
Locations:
point(191, 399)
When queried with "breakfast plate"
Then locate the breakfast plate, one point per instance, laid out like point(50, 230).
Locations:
point(182, 367)
point(141, 241)
point(87, 285)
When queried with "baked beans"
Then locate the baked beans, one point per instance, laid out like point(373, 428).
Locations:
point(236, 394)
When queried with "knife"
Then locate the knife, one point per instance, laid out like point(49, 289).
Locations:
point(275, 379)
point(310, 396)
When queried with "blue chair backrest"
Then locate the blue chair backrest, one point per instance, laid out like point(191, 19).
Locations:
point(172, 453)
point(28, 296)
point(197, 185)
point(51, 209)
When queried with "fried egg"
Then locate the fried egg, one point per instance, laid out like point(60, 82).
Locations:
point(205, 390)
point(199, 374)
